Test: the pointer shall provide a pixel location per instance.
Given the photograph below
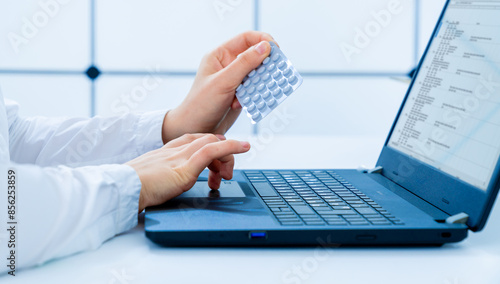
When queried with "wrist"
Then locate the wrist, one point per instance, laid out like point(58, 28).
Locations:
point(168, 130)
point(142, 203)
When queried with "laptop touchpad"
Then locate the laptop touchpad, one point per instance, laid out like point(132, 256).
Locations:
point(227, 189)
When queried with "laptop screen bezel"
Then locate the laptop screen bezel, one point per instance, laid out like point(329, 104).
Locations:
point(442, 190)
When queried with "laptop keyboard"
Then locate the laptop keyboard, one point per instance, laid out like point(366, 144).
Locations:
point(317, 198)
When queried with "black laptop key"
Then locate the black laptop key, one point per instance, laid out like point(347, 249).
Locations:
point(274, 201)
point(310, 218)
point(316, 205)
point(296, 203)
point(291, 223)
point(380, 222)
point(333, 218)
point(341, 207)
point(264, 189)
point(352, 202)
point(359, 206)
point(339, 212)
point(376, 219)
point(334, 204)
point(302, 209)
point(315, 223)
point(323, 208)
point(359, 223)
point(271, 198)
point(284, 213)
point(366, 211)
point(276, 205)
point(338, 223)
point(292, 200)
point(287, 217)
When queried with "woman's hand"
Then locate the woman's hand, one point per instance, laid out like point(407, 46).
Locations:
point(211, 105)
point(173, 169)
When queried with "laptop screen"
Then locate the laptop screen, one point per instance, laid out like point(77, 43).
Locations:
point(451, 118)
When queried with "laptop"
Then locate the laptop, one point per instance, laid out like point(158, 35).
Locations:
point(436, 178)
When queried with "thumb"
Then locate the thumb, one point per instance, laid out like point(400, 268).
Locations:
point(246, 62)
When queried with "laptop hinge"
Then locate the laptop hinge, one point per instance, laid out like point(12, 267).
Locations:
point(436, 213)
point(460, 218)
point(375, 170)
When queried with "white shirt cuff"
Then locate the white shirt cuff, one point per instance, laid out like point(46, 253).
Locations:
point(129, 188)
point(149, 131)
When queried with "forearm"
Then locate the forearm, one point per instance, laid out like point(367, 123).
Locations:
point(80, 141)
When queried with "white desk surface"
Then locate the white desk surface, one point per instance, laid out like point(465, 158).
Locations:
point(132, 258)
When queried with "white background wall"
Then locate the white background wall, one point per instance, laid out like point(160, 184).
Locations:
point(57, 41)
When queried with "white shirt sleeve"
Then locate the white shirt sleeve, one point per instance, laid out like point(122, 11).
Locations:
point(59, 209)
point(79, 142)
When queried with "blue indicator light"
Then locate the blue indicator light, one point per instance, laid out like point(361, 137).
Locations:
point(258, 235)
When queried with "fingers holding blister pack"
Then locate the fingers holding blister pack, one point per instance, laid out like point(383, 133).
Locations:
point(268, 85)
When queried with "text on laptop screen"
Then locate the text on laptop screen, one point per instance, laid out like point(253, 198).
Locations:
point(451, 118)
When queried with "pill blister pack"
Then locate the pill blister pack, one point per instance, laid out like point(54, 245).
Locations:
point(268, 85)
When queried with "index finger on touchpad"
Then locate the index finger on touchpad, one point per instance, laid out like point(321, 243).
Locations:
point(227, 189)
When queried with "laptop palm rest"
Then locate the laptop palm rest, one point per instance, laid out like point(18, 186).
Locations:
point(229, 198)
